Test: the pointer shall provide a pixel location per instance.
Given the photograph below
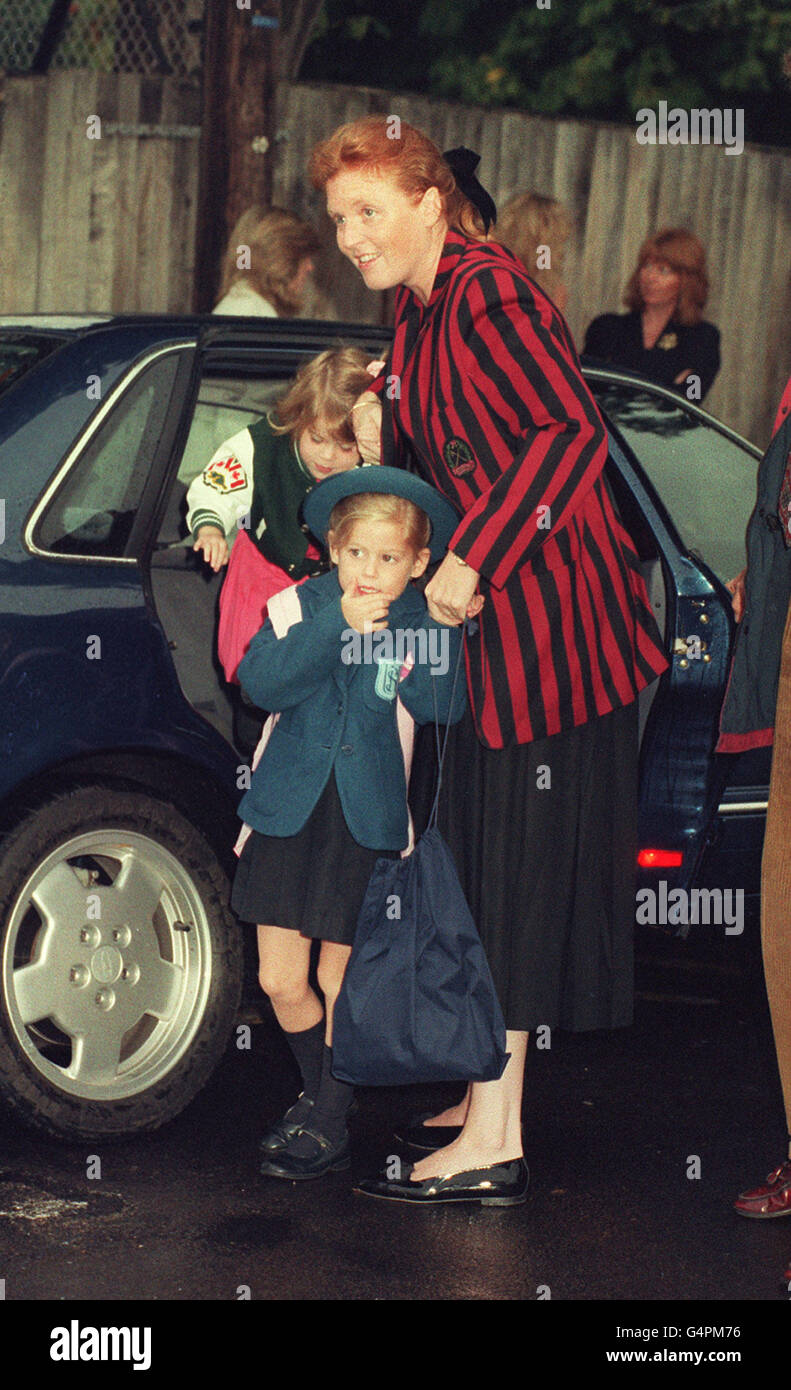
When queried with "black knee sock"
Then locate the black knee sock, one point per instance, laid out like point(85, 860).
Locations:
point(332, 1104)
point(308, 1049)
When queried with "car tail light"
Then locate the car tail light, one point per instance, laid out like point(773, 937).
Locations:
point(660, 859)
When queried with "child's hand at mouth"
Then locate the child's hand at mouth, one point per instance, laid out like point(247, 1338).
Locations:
point(365, 612)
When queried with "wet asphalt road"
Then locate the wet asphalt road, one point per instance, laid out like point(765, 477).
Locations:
point(613, 1124)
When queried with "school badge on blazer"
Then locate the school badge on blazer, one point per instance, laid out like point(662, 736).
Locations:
point(386, 685)
point(459, 457)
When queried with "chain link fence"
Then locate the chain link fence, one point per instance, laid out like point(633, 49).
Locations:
point(150, 37)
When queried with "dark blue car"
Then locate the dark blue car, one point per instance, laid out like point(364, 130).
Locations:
point(123, 751)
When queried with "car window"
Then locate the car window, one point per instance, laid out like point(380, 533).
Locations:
point(225, 405)
point(706, 480)
point(21, 351)
point(94, 509)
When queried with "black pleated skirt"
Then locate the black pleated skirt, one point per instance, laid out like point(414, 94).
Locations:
point(313, 882)
point(544, 836)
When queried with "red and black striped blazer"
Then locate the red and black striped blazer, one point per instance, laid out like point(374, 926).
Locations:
point(484, 386)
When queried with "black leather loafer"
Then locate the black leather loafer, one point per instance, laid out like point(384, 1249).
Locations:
point(418, 1135)
point(501, 1185)
point(286, 1129)
point(308, 1155)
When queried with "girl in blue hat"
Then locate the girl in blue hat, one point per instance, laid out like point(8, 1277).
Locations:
point(329, 794)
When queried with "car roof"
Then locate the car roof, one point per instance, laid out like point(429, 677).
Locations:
point(55, 321)
point(76, 325)
point(217, 329)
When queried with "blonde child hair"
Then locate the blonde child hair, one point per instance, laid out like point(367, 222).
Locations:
point(377, 506)
point(327, 386)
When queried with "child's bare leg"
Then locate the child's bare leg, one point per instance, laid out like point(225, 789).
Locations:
point(332, 967)
point(283, 965)
point(323, 1142)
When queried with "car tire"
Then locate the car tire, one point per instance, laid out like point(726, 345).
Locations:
point(120, 964)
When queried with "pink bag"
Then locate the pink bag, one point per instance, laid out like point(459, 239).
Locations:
point(249, 584)
point(285, 613)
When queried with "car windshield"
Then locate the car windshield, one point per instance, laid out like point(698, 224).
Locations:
point(705, 479)
point(21, 351)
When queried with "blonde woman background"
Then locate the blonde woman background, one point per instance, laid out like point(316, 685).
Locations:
point(281, 260)
point(536, 228)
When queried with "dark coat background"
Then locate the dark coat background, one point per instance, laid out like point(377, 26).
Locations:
point(748, 712)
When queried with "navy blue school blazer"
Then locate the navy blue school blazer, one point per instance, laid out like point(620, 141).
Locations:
point(339, 715)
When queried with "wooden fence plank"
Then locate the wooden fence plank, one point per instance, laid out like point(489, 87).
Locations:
point(73, 230)
point(104, 209)
point(127, 242)
point(53, 281)
point(21, 165)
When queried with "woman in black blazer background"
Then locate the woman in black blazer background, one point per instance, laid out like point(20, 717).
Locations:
point(665, 336)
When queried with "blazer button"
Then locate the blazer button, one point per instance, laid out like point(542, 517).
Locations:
point(346, 748)
point(304, 527)
point(340, 709)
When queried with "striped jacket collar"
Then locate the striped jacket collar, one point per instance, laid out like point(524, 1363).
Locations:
point(454, 248)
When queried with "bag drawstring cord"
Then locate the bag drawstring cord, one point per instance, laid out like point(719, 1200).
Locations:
point(432, 820)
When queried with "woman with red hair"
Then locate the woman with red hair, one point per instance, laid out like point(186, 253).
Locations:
point(665, 336)
point(483, 395)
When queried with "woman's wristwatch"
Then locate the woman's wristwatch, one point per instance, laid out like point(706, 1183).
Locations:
point(459, 560)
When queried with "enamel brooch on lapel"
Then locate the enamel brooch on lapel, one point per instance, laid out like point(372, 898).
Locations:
point(459, 457)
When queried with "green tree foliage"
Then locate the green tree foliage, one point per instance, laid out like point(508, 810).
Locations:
point(589, 58)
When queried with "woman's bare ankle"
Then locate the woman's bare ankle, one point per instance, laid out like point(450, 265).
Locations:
point(454, 1115)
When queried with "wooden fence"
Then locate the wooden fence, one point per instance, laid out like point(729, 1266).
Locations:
point(108, 224)
point(97, 217)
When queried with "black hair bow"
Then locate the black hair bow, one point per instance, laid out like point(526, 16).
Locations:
point(463, 163)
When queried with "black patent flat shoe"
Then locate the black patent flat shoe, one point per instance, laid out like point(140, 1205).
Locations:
point(286, 1129)
point(308, 1155)
point(427, 1137)
point(500, 1185)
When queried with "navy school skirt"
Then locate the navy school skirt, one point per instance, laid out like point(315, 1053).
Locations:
point(313, 882)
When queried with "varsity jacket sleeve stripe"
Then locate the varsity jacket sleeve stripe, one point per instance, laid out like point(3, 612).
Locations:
point(533, 386)
point(223, 492)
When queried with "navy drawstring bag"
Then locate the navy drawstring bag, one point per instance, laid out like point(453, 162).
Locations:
point(417, 1001)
